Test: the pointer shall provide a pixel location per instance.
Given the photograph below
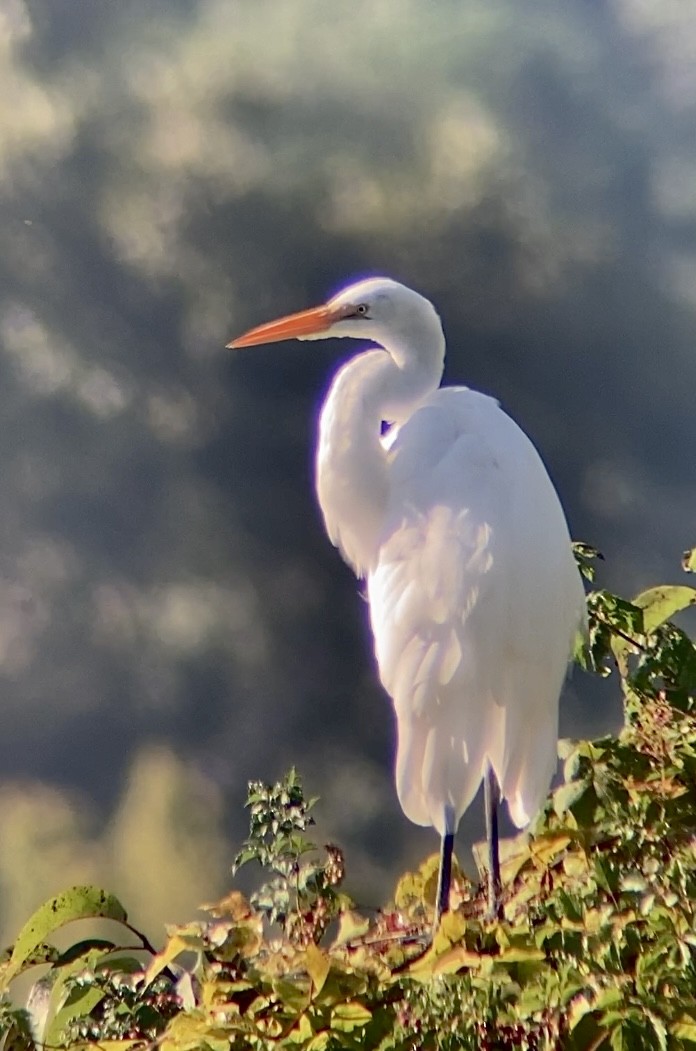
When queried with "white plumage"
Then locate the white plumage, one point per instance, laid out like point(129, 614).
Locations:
point(474, 602)
point(451, 517)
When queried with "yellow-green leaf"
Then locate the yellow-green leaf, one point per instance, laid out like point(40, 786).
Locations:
point(435, 961)
point(234, 906)
point(411, 887)
point(294, 995)
point(566, 795)
point(351, 926)
point(580, 1006)
point(606, 998)
point(684, 1029)
point(547, 847)
point(78, 903)
point(514, 853)
point(190, 1031)
point(318, 1042)
point(317, 964)
point(79, 1004)
point(457, 959)
point(575, 864)
point(301, 1032)
point(68, 1003)
point(174, 947)
point(661, 603)
point(349, 1016)
point(520, 954)
point(450, 931)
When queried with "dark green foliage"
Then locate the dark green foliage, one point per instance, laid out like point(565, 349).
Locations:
point(301, 895)
point(596, 950)
point(586, 556)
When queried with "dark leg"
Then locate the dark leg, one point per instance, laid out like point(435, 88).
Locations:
point(444, 879)
point(492, 798)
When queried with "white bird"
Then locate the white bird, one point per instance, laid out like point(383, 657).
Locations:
point(474, 593)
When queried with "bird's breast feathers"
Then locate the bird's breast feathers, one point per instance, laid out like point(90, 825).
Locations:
point(474, 556)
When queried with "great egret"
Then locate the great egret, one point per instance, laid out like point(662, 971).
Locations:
point(473, 589)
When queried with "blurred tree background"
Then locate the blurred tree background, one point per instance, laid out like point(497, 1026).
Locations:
point(172, 620)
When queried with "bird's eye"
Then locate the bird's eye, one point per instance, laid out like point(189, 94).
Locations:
point(362, 309)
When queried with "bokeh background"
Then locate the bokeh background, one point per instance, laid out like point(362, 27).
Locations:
point(172, 620)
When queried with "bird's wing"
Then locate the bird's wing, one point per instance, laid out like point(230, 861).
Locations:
point(474, 602)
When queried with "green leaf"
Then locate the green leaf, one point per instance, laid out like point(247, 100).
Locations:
point(617, 1040)
point(661, 603)
point(319, 1042)
point(317, 964)
point(586, 1032)
point(684, 1029)
point(69, 1001)
point(190, 1031)
point(585, 555)
point(521, 954)
point(79, 1003)
point(633, 882)
point(660, 1031)
point(80, 949)
point(43, 953)
point(188, 938)
point(566, 795)
point(349, 1016)
point(613, 623)
point(78, 903)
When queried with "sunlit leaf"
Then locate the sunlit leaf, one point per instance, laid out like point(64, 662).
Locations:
point(566, 795)
point(548, 846)
point(575, 865)
point(193, 1032)
point(234, 906)
point(349, 1016)
point(78, 903)
point(301, 1032)
point(317, 964)
point(662, 603)
point(177, 944)
point(351, 926)
point(689, 560)
point(450, 931)
point(318, 1042)
point(684, 1028)
point(521, 954)
point(453, 961)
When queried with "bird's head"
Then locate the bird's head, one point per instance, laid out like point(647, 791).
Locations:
point(376, 309)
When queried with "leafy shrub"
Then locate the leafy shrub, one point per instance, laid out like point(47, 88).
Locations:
point(596, 951)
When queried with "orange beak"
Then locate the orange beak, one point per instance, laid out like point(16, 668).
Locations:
point(306, 323)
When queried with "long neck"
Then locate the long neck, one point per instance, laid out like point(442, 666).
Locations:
point(352, 480)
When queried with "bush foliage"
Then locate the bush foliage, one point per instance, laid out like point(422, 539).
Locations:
point(596, 951)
